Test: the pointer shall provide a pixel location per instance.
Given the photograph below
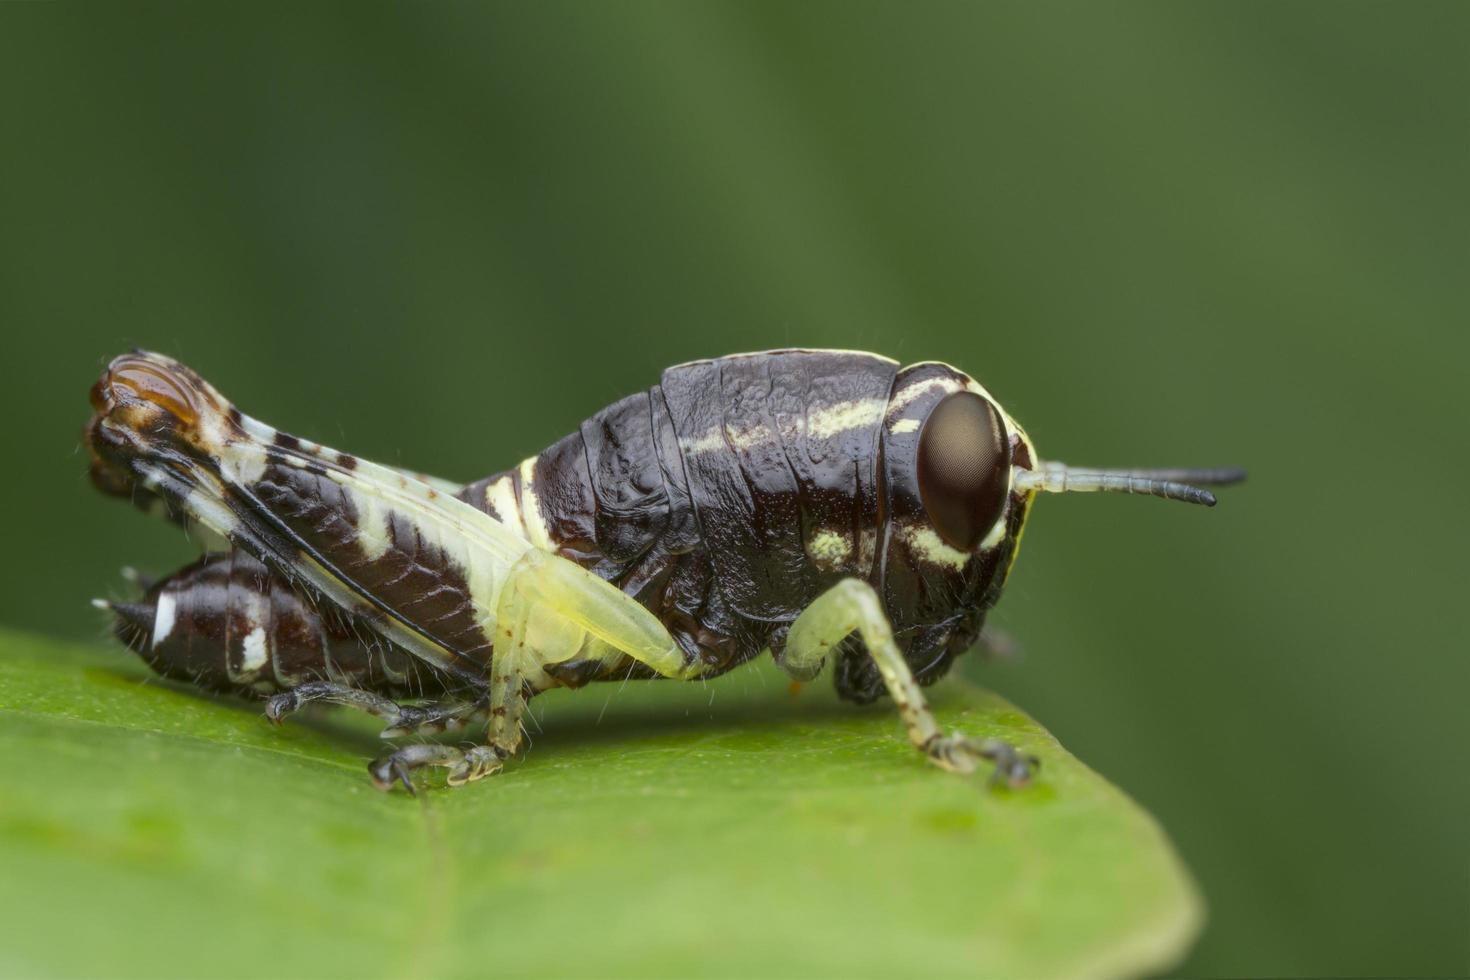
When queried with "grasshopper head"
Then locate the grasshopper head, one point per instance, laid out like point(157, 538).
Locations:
point(972, 457)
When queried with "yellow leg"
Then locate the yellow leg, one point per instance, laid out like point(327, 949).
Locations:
point(558, 601)
point(548, 608)
point(853, 605)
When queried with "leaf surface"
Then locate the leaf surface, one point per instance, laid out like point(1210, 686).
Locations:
point(653, 829)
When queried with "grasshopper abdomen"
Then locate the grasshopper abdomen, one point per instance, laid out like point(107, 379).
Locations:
point(226, 623)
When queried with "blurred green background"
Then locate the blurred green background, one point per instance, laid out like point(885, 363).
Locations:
point(1162, 234)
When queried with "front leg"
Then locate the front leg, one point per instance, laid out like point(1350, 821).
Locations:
point(853, 605)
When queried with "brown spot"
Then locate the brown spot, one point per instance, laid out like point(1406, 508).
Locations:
point(287, 441)
point(1020, 454)
point(347, 461)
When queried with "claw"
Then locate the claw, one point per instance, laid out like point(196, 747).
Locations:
point(281, 705)
point(958, 753)
point(402, 771)
point(1015, 772)
point(388, 770)
point(464, 766)
point(479, 762)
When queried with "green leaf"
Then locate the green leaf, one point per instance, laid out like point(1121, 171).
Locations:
point(728, 829)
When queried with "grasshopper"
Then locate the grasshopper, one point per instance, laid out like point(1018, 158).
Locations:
point(825, 506)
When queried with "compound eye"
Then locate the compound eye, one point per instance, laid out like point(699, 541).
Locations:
point(964, 468)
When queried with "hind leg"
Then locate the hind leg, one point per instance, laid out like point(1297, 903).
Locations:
point(424, 718)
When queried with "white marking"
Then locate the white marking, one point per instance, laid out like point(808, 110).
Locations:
point(828, 549)
point(241, 458)
point(748, 438)
point(163, 618)
point(101, 604)
point(254, 651)
point(909, 392)
point(250, 605)
point(843, 416)
point(210, 518)
point(905, 425)
point(927, 544)
point(212, 432)
point(712, 441)
point(719, 439)
point(260, 430)
point(821, 424)
point(974, 386)
point(242, 462)
point(374, 530)
point(997, 530)
point(531, 507)
point(500, 497)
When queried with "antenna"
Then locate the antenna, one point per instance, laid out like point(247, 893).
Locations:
point(1175, 484)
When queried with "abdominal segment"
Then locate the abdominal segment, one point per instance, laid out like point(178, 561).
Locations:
point(227, 623)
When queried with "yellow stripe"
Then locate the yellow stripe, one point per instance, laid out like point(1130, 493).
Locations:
point(531, 507)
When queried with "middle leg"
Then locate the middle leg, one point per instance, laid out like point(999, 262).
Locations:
point(549, 608)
